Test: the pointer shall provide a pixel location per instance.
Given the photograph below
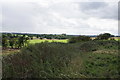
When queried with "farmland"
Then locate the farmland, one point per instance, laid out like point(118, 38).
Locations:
point(46, 40)
point(34, 41)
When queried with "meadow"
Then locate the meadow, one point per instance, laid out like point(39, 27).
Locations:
point(91, 59)
point(47, 40)
point(76, 57)
point(32, 42)
point(58, 40)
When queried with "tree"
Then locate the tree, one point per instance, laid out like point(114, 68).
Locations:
point(12, 42)
point(26, 41)
point(79, 39)
point(72, 40)
point(20, 41)
point(31, 37)
point(4, 42)
point(16, 42)
point(37, 36)
point(64, 34)
point(104, 36)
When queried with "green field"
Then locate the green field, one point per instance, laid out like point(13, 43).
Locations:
point(43, 40)
point(117, 39)
point(53, 40)
point(77, 57)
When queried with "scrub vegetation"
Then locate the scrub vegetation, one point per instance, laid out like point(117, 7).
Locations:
point(79, 57)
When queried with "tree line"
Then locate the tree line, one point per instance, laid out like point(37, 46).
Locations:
point(18, 40)
point(14, 41)
point(42, 36)
point(104, 36)
point(10, 40)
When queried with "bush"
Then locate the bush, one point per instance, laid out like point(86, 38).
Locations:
point(104, 36)
point(39, 60)
point(110, 44)
point(79, 39)
point(89, 46)
point(60, 60)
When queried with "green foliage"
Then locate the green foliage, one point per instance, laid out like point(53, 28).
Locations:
point(110, 44)
point(14, 41)
point(79, 39)
point(104, 36)
point(101, 65)
point(59, 60)
point(4, 42)
point(43, 60)
point(50, 59)
point(89, 46)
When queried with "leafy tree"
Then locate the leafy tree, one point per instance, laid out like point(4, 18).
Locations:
point(16, 42)
point(79, 39)
point(31, 37)
point(73, 40)
point(64, 34)
point(37, 36)
point(104, 36)
point(4, 42)
point(12, 42)
point(26, 41)
point(41, 37)
point(20, 41)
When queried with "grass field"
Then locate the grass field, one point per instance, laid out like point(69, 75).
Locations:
point(117, 39)
point(47, 40)
point(92, 59)
point(56, 40)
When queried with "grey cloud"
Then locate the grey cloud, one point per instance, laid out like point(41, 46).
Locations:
point(54, 18)
point(0, 18)
point(118, 10)
point(100, 10)
point(86, 6)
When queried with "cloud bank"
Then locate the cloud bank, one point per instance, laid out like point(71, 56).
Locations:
point(87, 18)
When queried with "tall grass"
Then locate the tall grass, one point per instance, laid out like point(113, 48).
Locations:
point(63, 60)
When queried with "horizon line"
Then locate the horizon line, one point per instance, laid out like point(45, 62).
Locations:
point(52, 33)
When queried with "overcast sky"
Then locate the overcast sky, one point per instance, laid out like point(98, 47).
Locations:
point(62, 16)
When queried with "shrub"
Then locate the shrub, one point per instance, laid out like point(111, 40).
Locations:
point(39, 60)
point(60, 60)
point(89, 46)
point(110, 44)
point(79, 39)
point(104, 36)
point(4, 42)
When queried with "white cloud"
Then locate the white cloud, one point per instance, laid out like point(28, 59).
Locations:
point(58, 17)
point(103, 25)
point(0, 18)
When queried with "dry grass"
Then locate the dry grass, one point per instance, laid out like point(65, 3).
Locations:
point(9, 51)
point(106, 51)
point(116, 38)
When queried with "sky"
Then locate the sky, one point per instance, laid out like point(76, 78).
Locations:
point(77, 17)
